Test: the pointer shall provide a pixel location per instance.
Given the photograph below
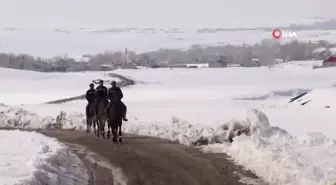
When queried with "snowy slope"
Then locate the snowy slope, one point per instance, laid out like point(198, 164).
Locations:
point(24, 87)
point(298, 64)
point(196, 84)
point(187, 104)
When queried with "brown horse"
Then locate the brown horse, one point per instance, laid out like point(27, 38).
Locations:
point(91, 117)
point(101, 117)
point(116, 114)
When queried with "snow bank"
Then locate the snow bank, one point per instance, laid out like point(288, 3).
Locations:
point(27, 87)
point(11, 117)
point(280, 158)
point(270, 151)
point(283, 159)
point(22, 153)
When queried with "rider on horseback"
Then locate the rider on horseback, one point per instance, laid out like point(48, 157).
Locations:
point(117, 91)
point(101, 94)
point(115, 95)
point(90, 96)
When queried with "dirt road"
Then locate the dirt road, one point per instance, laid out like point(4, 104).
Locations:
point(150, 161)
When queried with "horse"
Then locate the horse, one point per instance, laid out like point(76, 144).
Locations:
point(116, 114)
point(101, 117)
point(91, 116)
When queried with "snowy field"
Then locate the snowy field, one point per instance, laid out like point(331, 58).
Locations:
point(186, 104)
point(26, 87)
point(76, 42)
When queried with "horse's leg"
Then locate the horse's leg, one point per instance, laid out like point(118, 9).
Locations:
point(103, 128)
point(114, 132)
point(94, 122)
point(88, 126)
point(120, 136)
point(108, 129)
point(98, 127)
point(124, 112)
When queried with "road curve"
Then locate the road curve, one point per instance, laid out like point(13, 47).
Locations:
point(124, 82)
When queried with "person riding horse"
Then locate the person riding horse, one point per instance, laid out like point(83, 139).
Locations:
point(116, 90)
point(115, 95)
point(101, 94)
point(90, 107)
point(90, 96)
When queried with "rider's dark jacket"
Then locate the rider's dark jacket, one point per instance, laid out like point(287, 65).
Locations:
point(101, 92)
point(115, 91)
point(90, 95)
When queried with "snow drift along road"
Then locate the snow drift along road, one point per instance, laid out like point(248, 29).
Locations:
point(26, 158)
point(273, 154)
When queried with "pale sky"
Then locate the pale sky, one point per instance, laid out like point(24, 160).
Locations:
point(159, 13)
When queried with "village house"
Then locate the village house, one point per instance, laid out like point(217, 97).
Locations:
point(329, 62)
point(232, 63)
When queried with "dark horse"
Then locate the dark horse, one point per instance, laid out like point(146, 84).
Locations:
point(101, 118)
point(91, 116)
point(116, 114)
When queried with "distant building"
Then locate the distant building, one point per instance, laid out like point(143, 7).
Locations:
point(205, 65)
point(106, 67)
point(233, 65)
point(78, 66)
point(330, 62)
point(221, 63)
point(128, 65)
point(250, 63)
point(217, 64)
point(278, 60)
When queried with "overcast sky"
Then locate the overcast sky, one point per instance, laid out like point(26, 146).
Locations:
point(159, 13)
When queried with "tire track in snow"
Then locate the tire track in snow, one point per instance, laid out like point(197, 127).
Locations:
point(92, 160)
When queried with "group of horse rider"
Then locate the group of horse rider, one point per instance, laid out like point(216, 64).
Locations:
point(103, 95)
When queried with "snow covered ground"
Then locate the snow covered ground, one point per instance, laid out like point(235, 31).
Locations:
point(298, 64)
point(26, 87)
point(187, 104)
point(22, 154)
